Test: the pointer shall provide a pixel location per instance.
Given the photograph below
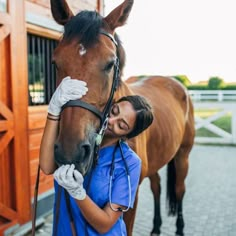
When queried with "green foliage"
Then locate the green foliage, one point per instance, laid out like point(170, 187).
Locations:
point(215, 83)
point(230, 87)
point(197, 87)
point(183, 79)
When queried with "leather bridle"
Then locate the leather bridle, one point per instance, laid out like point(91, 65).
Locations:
point(103, 116)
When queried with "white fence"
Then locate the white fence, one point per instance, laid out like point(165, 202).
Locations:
point(213, 95)
point(221, 109)
point(222, 103)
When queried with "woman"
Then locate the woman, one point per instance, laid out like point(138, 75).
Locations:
point(96, 205)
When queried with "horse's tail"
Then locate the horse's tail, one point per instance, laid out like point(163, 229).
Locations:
point(171, 183)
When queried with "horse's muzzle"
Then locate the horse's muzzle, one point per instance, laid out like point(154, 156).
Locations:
point(81, 156)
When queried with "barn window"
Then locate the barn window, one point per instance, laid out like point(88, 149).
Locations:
point(41, 73)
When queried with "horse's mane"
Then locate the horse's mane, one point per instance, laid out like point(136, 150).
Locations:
point(85, 27)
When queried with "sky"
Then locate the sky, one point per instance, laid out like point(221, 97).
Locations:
point(196, 38)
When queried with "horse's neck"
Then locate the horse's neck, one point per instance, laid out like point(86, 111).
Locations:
point(135, 143)
point(122, 91)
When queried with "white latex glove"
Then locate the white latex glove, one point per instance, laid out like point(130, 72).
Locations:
point(71, 180)
point(68, 89)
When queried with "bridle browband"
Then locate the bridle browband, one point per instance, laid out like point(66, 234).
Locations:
point(104, 114)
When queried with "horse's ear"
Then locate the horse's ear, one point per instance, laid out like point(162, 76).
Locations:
point(61, 11)
point(119, 15)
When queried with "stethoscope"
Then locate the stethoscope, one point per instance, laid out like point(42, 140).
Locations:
point(111, 175)
point(98, 141)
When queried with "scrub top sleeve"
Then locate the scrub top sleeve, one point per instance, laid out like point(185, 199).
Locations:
point(120, 188)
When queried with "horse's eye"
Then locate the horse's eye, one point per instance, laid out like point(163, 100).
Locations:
point(109, 66)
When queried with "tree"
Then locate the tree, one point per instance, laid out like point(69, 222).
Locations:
point(215, 83)
point(183, 79)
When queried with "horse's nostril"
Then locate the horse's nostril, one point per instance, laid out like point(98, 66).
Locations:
point(85, 151)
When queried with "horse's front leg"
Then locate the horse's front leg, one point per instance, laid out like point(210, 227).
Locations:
point(129, 217)
point(156, 190)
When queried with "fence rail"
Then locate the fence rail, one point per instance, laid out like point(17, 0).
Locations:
point(221, 109)
point(213, 95)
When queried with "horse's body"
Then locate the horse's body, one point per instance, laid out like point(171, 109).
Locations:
point(168, 140)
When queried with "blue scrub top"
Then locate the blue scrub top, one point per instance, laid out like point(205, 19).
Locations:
point(97, 189)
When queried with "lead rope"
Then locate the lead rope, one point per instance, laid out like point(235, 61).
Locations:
point(68, 205)
point(35, 202)
point(57, 211)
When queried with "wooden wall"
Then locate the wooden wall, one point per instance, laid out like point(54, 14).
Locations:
point(14, 158)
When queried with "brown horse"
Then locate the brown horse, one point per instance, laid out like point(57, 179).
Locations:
point(88, 51)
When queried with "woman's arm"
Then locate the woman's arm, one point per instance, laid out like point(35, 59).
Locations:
point(68, 89)
point(46, 153)
point(100, 219)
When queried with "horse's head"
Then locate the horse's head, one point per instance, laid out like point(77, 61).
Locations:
point(88, 52)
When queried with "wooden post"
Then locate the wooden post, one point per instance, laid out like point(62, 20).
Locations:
point(19, 82)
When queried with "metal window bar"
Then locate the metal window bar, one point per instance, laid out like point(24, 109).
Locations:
point(42, 74)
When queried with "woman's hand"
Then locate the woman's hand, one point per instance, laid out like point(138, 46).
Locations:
point(68, 89)
point(101, 219)
point(71, 180)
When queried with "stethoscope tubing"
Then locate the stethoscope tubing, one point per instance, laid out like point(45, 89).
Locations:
point(111, 176)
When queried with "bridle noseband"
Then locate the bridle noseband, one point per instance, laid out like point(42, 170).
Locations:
point(103, 116)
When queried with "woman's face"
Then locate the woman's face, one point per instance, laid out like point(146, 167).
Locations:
point(121, 120)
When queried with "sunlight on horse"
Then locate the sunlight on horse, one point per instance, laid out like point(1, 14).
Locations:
point(88, 51)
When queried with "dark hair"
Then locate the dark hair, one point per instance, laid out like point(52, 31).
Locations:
point(144, 113)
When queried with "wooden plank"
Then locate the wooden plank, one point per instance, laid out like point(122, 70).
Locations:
point(5, 111)
point(40, 31)
point(7, 212)
point(5, 95)
point(34, 154)
point(6, 178)
point(6, 226)
point(5, 140)
point(5, 125)
point(5, 18)
point(4, 31)
point(37, 121)
point(5, 28)
point(20, 109)
point(35, 140)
